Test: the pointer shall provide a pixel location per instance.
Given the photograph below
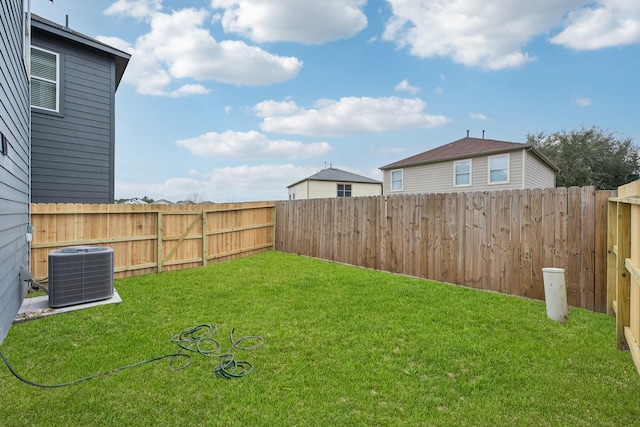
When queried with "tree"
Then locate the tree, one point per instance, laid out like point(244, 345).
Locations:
point(589, 156)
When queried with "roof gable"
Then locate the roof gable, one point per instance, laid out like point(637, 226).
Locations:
point(465, 147)
point(121, 58)
point(338, 175)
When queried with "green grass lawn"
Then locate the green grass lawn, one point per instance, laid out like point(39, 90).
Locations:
point(342, 346)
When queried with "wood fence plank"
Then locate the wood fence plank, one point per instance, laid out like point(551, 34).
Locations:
point(514, 242)
point(574, 236)
point(623, 280)
point(600, 268)
point(470, 242)
point(497, 279)
point(526, 264)
point(420, 218)
point(537, 252)
point(633, 265)
point(485, 258)
point(428, 225)
point(587, 248)
point(437, 237)
point(462, 238)
point(548, 228)
point(478, 239)
point(449, 248)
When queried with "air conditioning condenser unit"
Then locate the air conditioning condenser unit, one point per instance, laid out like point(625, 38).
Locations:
point(80, 274)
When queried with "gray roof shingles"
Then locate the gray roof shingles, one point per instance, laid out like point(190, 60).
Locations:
point(338, 175)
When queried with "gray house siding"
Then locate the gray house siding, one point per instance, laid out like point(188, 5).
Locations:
point(438, 177)
point(14, 165)
point(73, 150)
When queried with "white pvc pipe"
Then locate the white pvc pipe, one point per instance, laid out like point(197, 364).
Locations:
point(555, 294)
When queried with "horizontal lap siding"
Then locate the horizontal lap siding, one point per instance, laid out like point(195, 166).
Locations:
point(73, 154)
point(438, 177)
point(538, 175)
point(14, 167)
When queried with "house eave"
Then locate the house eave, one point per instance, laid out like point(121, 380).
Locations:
point(121, 58)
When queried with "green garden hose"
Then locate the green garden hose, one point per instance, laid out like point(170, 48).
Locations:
point(198, 339)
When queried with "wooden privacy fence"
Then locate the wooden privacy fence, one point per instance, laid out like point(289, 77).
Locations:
point(152, 238)
point(623, 267)
point(498, 240)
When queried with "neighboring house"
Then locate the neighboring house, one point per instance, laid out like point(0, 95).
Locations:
point(14, 157)
point(135, 201)
point(332, 182)
point(470, 164)
point(74, 79)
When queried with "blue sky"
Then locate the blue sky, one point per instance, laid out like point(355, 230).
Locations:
point(234, 100)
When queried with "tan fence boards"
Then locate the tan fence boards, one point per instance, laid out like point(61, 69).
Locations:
point(153, 238)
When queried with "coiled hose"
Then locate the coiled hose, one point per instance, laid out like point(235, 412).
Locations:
point(198, 339)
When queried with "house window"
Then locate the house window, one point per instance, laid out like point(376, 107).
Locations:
point(396, 180)
point(45, 81)
point(344, 190)
point(462, 173)
point(499, 169)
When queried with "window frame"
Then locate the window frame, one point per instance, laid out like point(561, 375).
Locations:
point(344, 189)
point(490, 169)
point(401, 180)
point(455, 173)
point(57, 82)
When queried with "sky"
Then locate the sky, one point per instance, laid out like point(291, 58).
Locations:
point(234, 100)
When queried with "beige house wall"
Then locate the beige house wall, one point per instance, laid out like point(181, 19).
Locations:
point(526, 170)
point(311, 189)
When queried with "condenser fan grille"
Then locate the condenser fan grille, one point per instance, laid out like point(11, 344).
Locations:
point(80, 274)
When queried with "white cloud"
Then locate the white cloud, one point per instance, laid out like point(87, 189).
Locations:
point(309, 22)
point(139, 9)
point(583, 102)
point(478, 116)
point(347, 116)
point(473, 32)
point(179, 46)
point(250, 145)
point(601, 24)
point(228, 184)
point(493, 35)
point(438, 90)
point(404, 86)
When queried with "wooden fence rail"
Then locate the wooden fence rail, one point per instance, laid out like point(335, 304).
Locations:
point(153, 238)
point(498, 241)
point(623, 267)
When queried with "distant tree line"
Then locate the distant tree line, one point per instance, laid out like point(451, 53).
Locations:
point(589, 156)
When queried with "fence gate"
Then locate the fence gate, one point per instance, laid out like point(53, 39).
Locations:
point(623, 267)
